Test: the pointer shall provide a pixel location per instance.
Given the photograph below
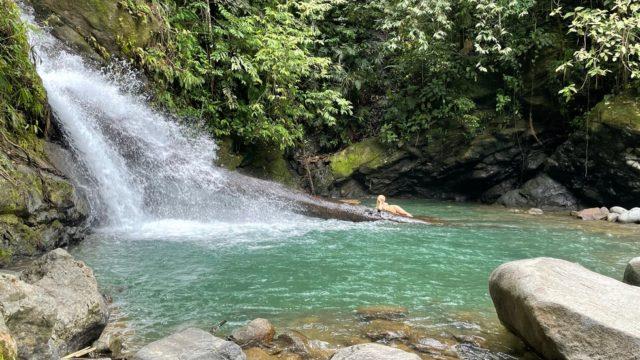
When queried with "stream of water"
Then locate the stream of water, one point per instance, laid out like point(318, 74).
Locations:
point(175, 245)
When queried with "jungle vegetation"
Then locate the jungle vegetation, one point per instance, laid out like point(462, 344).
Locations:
point(277, 72)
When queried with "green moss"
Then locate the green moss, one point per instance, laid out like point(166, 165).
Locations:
point(60, 192)
point(621, 111)
point(226, 157)
point(269, 163)
point(103, 25)
point(370, 153)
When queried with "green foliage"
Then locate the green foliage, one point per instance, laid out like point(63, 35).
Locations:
point(275, 72)
point(609, 37)
point(22, 97)
point(249, 71)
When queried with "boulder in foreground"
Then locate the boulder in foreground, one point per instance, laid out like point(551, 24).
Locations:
point(565, 311)
point(191, 344)
point(53, 308)
point(373, 351)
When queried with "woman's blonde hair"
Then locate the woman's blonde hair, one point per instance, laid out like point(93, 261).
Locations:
point(381, 199)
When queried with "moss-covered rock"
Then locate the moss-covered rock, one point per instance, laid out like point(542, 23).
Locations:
point(226, 156)
point(99, 27)
point(8, 346)
point(369, 153)
point(268, 162)
point(622, 112)
point(602, 165)
point(39, 209)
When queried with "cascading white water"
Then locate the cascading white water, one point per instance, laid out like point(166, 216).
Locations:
point(143, 166)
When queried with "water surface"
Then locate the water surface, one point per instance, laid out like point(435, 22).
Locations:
point(311, 274)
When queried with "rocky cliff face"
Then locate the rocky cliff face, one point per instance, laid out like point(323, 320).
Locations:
point(601, 164)
point(481, 169)
point(39, 208)
point(598, 166)
point(99, 28)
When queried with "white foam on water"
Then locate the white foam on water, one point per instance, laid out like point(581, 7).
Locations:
point(147, 175)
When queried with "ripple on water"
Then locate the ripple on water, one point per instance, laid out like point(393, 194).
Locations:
point(311, 274)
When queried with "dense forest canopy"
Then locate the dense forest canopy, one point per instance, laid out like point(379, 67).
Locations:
point(278, 71)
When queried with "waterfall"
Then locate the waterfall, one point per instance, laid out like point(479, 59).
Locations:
point(140, 165)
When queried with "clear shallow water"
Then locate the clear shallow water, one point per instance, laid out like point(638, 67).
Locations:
point(311, 274)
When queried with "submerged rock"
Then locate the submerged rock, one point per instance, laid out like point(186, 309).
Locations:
point(373, 351)
point(53, 308)
point(295, 342)
point(385, 330)
point(632, 272)
point(381, 312)
point(430, 346)
point(191, 344)
point(565, 311)
point(255, 332)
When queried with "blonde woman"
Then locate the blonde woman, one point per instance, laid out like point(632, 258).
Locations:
point(381, 205)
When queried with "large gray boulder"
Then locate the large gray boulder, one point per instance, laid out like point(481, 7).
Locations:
point(373, 351)
point(191, 344)
point(541, 192)
point(53, 307)
point(632, 272)
point(565, 311)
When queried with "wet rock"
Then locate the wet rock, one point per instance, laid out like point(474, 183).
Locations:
point(535, 211)
point(191, 344)
point(631, 216)
point(373, 351)
point(612, 217)
point(430, 346)
point(386, 331)
point(256, 353)
point(53, 308)
point(541, 192)
point(255, 332)
point(381, 312)
point(470, 339)
point(295, 341)
point(472, 352)
point(565, 311)
point(593, 214)
point(94, 26)
point(632, 272)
